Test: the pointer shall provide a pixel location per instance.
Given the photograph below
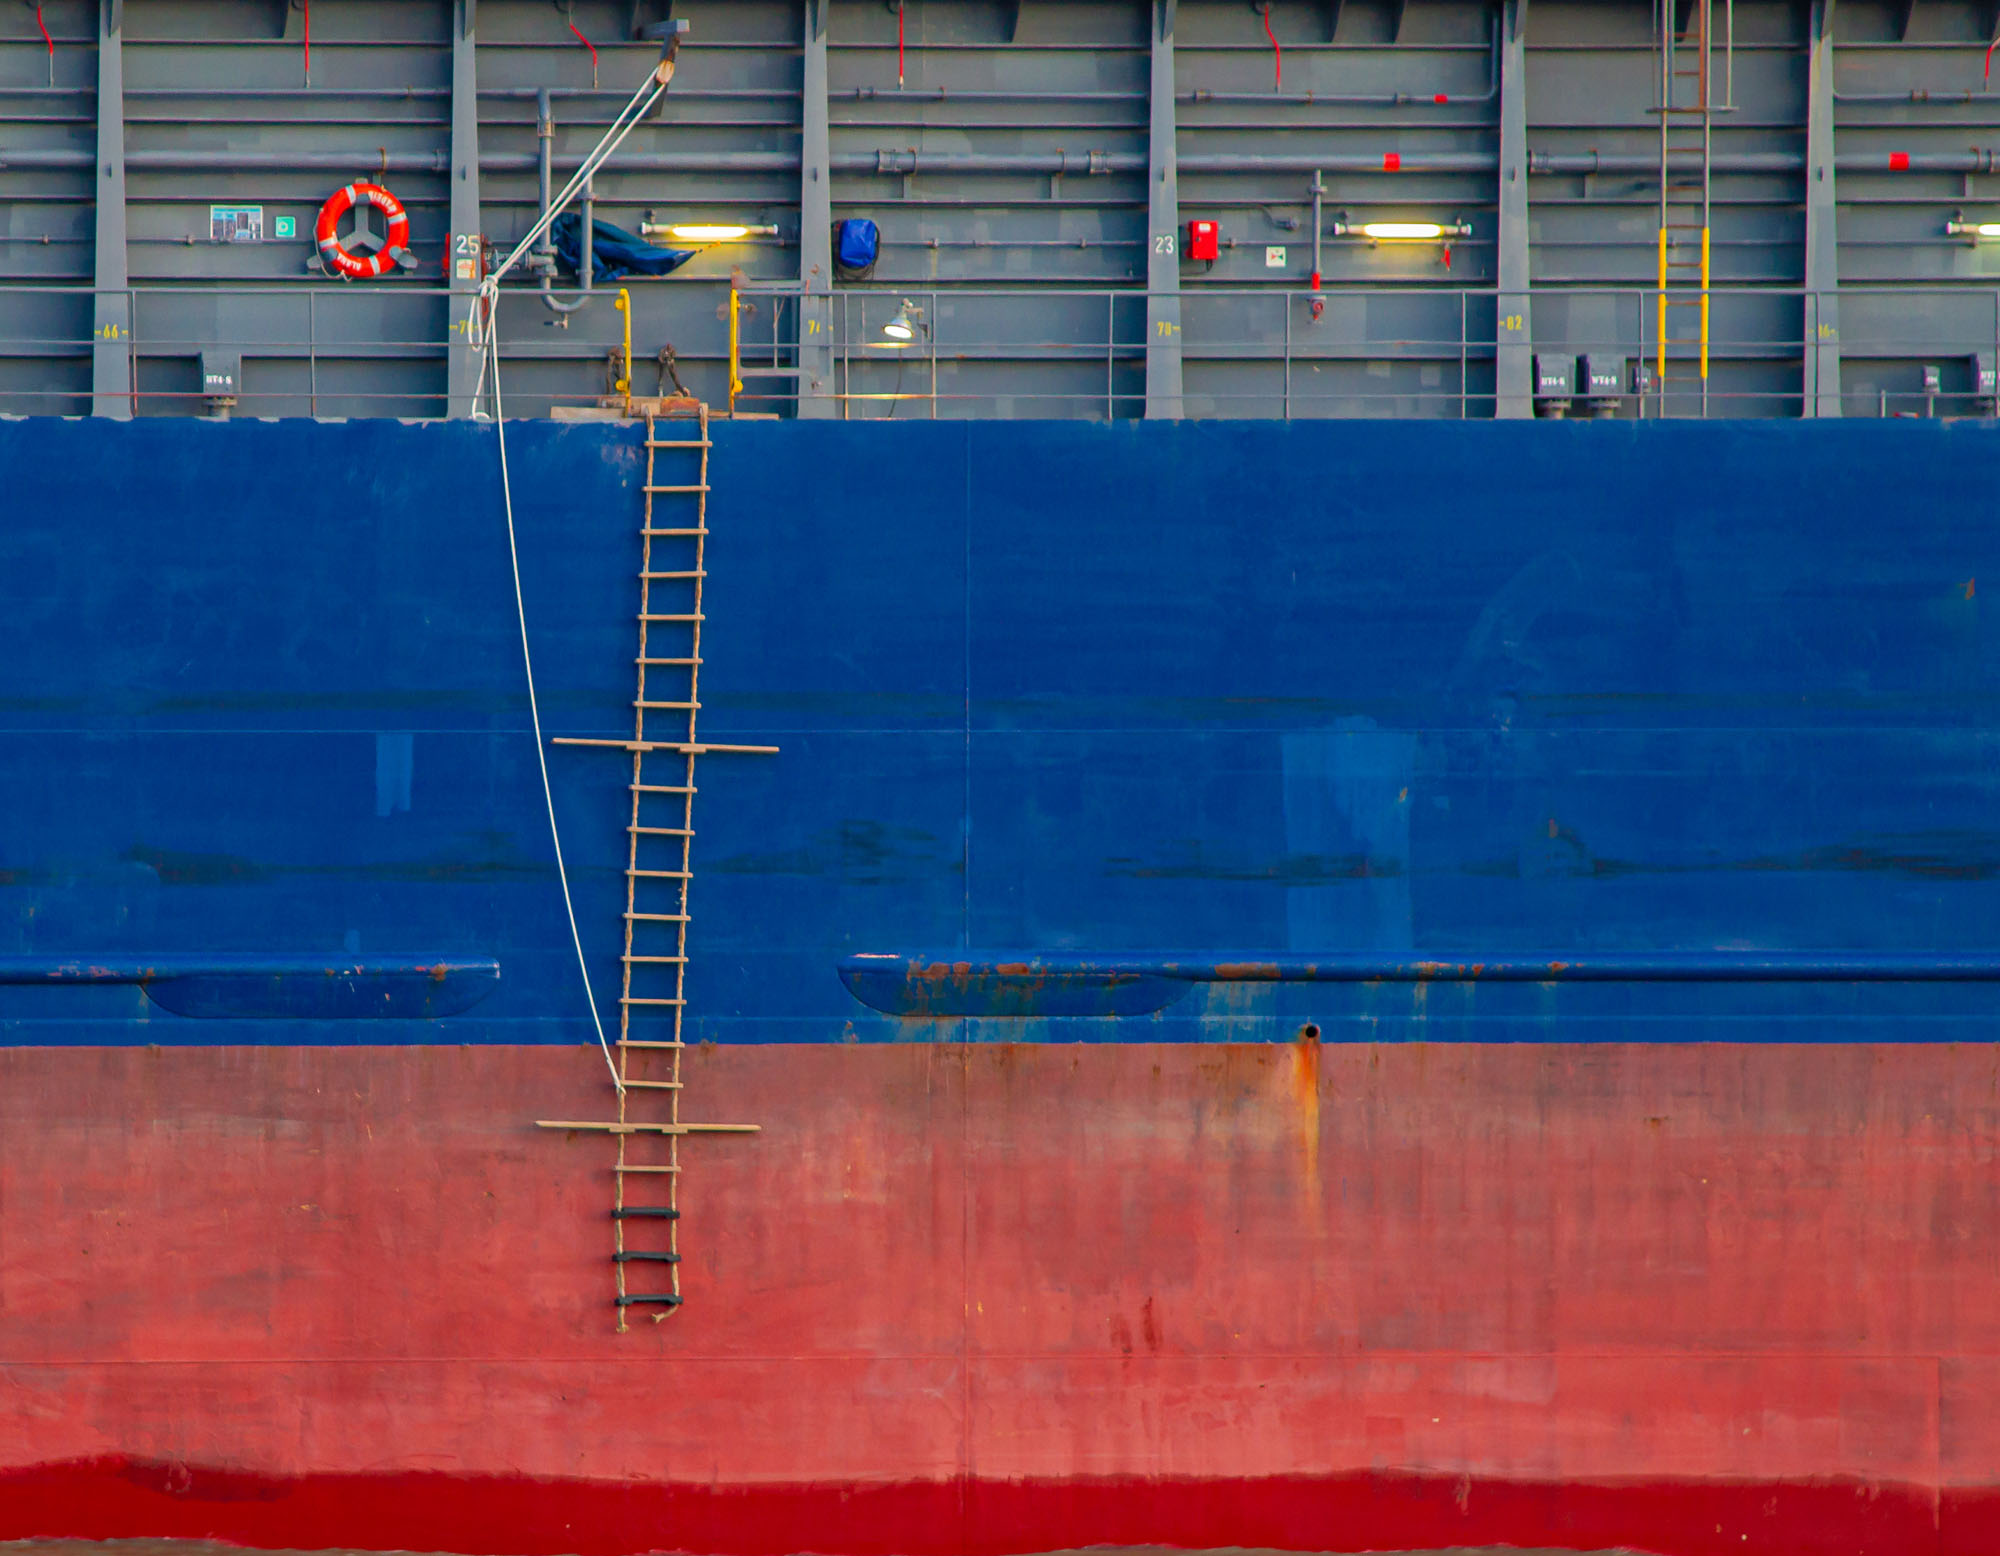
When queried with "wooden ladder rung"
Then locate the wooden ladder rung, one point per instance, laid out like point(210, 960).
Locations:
point(664, 831)
point(684, 443)
point(649, 1042)
point(665, 534)
point(695, 488)
point(656, 1085)
point(671, 616)
point(633, 957)
point(666, 918)
point(683, 706)
point(656, 661)
point(668, 875)
point(633, 999)
point(688, 573)
point(645, 1169)
point(661, 788)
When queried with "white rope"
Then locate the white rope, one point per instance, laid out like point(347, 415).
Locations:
point(483, 332)
point(535, 716)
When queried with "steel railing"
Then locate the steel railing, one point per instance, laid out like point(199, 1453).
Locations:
point(982, 351)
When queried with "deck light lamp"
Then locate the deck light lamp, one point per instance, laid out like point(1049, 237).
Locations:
point(904, 326)
point(1964, 229)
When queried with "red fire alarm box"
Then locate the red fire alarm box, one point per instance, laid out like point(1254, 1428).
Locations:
point(1204, 240)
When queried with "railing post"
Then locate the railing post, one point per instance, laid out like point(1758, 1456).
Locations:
point(1822, 322)
point(1163, 207)
point(111, 307)
point(815, 225)
point(465, 250)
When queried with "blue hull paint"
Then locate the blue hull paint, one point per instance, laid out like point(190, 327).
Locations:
point(1364, 690)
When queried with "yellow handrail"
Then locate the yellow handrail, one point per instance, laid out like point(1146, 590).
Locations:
point(1660, 338)
point(1704, 302)
point(735, 347)
point(624, 385)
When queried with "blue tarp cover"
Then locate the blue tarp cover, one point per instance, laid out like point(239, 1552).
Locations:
point(614, 252)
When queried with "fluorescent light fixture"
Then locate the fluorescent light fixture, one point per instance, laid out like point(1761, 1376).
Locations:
point(1404, 232)
point(1958, 229)
point(706, 232)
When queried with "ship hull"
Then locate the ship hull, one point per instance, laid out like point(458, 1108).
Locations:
point(996, 1298)
point(1323, 988)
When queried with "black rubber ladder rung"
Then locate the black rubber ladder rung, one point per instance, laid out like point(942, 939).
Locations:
point(645, 1256)
point(665, 1300)
point(645, 1212)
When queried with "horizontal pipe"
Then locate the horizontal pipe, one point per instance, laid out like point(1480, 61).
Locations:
point(1915, 95)
point(941, 94)
point(1587, 162)
point(1335, 99)
point(905, 162)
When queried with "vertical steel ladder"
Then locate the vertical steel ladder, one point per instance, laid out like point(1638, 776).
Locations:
point(1687, 122)
point(659, 868)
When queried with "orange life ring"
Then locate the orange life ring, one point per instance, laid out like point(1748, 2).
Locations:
point(326, 232)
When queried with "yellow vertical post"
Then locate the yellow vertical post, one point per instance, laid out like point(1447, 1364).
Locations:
point(624, 385)
point(735, 347)
point(1704, 303)
point(1660, 336)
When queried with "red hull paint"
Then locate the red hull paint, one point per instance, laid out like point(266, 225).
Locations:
point(1688, 1299)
